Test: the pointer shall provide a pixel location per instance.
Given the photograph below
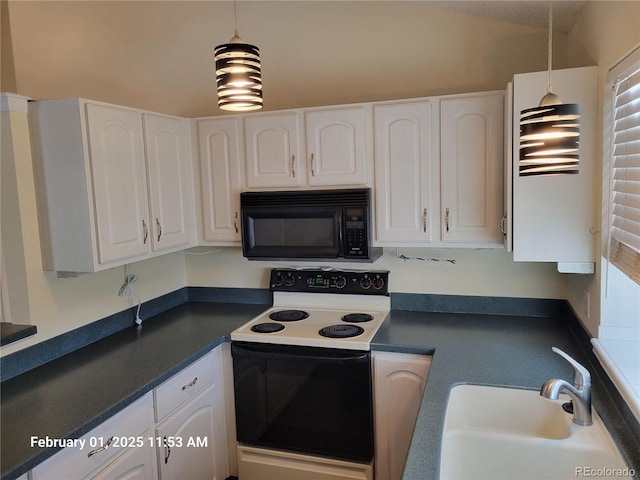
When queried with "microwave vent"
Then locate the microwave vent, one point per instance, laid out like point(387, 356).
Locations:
point(351, 197)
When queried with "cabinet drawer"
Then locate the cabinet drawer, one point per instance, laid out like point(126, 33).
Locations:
point(126, 425)
point(184, 385)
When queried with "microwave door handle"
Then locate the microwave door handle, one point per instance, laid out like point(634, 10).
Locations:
point(341, 241)
point(277, 354)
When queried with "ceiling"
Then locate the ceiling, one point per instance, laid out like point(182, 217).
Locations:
point(532, 12)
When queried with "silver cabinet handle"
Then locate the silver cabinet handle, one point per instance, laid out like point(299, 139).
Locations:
point(424, 220)
point(313, 171)
point(446, 219)
point(102, 448)
point(167, 450)
point(190, 384)
point(502, 220)
point(293, 166)
point(235, 222)
point(158, 228)
point(145, 232)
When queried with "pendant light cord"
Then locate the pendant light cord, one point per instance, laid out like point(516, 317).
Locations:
point(235, 18)
point(549, 47)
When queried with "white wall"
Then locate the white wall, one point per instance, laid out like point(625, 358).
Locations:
point(606, 31)
point(489, 272)
point(159, 55)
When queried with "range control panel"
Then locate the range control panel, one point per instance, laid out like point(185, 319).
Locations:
point(374, 282)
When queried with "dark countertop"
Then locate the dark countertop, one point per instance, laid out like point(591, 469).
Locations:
point(12, 332)
point(70, 396)
point(488, 350)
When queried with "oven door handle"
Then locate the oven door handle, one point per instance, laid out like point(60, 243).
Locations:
point(278, 354)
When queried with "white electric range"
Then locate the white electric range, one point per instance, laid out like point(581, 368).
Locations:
point(321, 308)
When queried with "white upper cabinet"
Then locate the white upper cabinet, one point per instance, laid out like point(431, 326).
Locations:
point(220, 179)
point(273, 150)
point(403, 166)
point(456, 201)
point(113, 189)
point(471, 168)
point(336, 150)
point(169, 174)
point(554, 216)
point(337, 146)
point(118, 176)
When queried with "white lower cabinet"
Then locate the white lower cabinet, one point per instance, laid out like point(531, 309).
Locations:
point(116, 439)
point(135, 464)
point(399, 380)
point(191, 436)
point(187, 441)
point(178, 431)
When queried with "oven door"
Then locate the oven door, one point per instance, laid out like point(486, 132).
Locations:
point(304, 399)
point(284, 232)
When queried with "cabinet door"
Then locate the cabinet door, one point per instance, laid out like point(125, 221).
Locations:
point(119, 183)
point(137, 463)
point(336, 146)
point(554, 215)
point(506, 226)
point(272, 145)
point(220, 180)
point(403, 161)
point(169, 174)
point(99, 448)
point(189, 439)
point(471, 166)
point(399, 381)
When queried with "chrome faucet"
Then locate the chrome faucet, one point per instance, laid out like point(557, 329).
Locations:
point(579, 392)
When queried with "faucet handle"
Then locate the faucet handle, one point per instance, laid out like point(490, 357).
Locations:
point(581, 376)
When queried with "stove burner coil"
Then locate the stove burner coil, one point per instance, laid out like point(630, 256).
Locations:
point(267, 327)
point(357, 318)
point(341, 331)
point(288, 315)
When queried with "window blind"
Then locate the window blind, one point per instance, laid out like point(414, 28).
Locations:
point(624, 248)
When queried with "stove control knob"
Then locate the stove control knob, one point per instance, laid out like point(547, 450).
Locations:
point(365, 282)
point(278, 279)
point(289, 280)
point(341, 282)
point(378, 283)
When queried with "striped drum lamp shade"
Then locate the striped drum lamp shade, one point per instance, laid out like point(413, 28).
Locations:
point(238, 76)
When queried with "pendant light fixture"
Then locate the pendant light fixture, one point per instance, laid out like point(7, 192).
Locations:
point(550, 132)
point(238, 74)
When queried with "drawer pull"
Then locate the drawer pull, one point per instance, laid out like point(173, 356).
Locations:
point(190, 384)
point(98, 450)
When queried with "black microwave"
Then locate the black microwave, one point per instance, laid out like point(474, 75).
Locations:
point(310, 225)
